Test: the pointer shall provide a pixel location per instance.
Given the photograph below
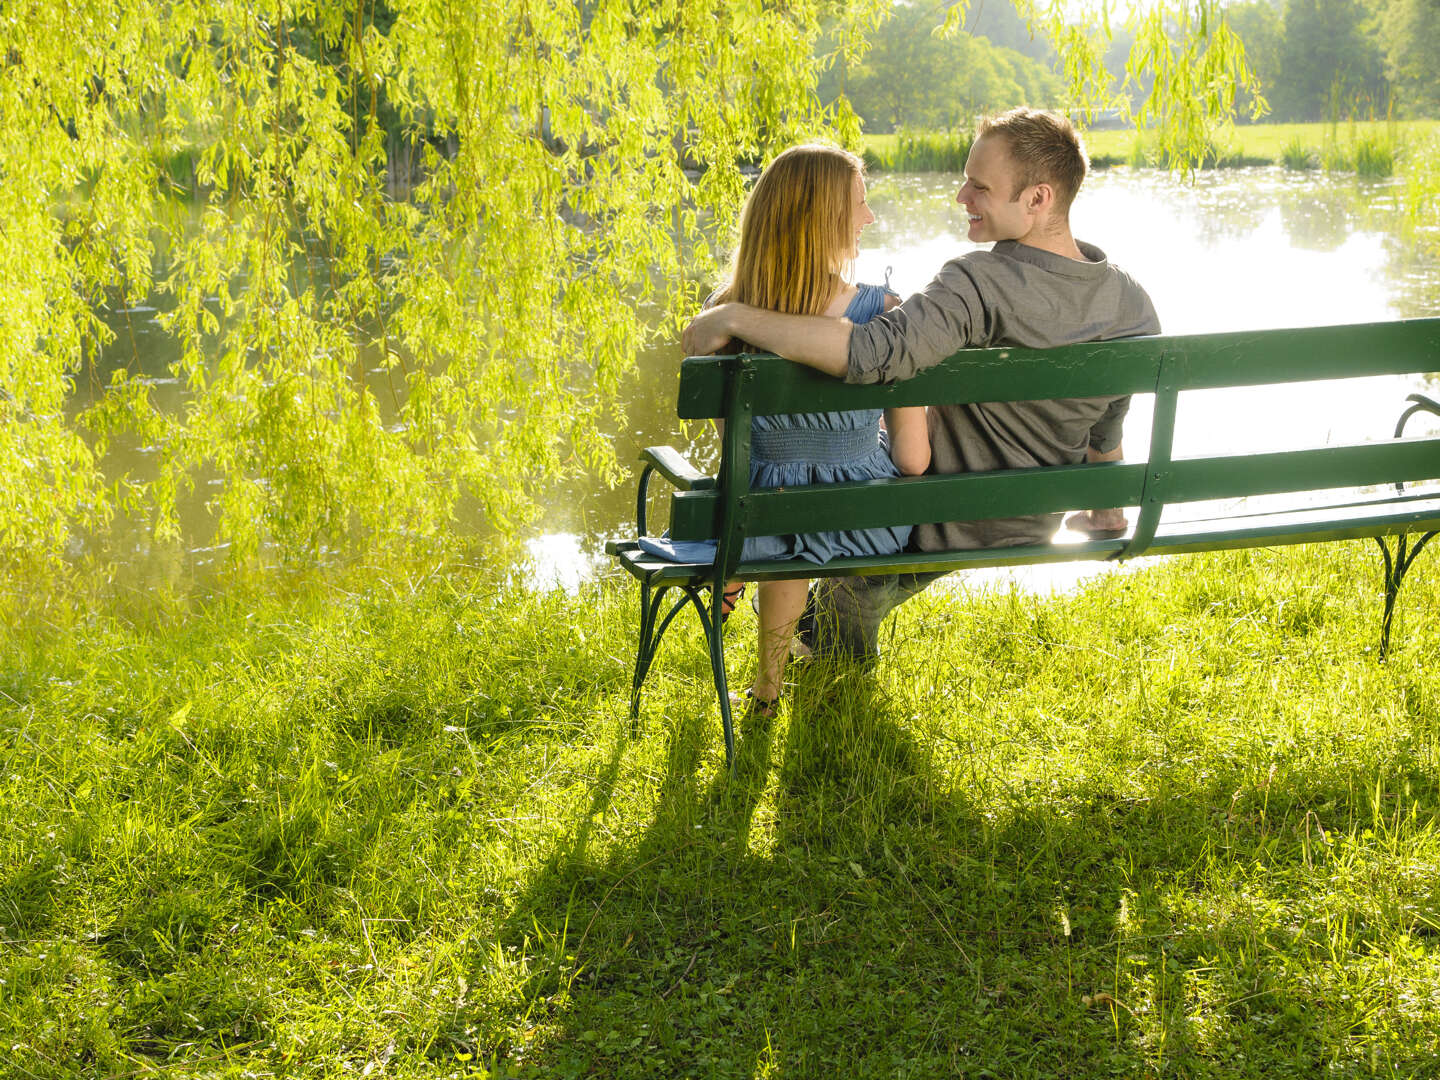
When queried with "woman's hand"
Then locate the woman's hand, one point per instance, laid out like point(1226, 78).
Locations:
point(708, 332)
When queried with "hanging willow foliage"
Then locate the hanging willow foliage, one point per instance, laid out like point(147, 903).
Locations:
point(1193, 62)
point(356, 355)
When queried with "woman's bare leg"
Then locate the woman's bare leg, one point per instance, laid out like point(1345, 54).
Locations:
point(781, 605)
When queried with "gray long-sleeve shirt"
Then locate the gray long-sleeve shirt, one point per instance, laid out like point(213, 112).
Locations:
point(1019, 295)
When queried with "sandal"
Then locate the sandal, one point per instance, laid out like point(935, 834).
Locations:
point(756, 707)
point(729, 599)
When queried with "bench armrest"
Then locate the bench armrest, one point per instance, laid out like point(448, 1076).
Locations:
point(671, 464)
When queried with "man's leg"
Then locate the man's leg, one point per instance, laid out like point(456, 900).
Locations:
point(842, 619)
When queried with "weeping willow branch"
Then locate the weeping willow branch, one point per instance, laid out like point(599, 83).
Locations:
point(414, 263)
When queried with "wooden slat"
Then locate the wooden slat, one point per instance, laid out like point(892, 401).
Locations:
point(1162, 444)
point(1094, 369)
point(1199, 479)
point(695, 515)
point(876, 503)
point(1299, 530)
point(1314, 532)
point(1259, 357)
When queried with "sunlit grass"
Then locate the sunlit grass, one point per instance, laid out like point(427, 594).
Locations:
point(1295, 154)
point(1179, 823)
point(1372, 148)
point(917, 152)
point(1376, 143)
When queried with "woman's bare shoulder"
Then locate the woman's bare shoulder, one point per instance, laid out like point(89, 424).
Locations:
point(840, 302)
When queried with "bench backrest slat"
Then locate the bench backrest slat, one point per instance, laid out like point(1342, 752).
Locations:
point(1367, 464)
point(1093, 369)
point(697, 515)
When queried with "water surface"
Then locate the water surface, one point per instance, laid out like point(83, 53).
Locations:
point(1233, 250)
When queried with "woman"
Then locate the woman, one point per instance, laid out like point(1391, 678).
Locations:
point(799, 232)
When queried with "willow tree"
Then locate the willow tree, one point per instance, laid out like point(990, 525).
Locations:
point(355, 363)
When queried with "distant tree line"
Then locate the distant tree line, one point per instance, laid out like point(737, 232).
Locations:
point(913, 78)
point(1315, 59)
point(1323, 59)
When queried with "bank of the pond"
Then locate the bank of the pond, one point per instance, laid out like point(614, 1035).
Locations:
point(1370, 147)
point(1179, 822)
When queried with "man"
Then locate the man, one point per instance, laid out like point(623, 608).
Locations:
point(1038, 287)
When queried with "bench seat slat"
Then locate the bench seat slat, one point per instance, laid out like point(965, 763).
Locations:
point(640, 563)
point(1300, 527)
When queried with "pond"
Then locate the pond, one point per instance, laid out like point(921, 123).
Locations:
point(1232, 250)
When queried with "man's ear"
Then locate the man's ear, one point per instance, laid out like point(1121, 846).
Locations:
point(1041, 198)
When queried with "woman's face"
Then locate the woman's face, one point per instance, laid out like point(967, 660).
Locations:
point(860, 215)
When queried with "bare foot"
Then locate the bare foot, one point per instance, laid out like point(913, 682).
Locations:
point(1098, 524)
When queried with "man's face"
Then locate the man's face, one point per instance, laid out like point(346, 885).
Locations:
point(990, 177)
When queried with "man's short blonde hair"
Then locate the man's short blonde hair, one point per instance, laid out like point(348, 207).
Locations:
point(1046, 149)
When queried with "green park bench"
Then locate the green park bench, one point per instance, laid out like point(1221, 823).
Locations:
point(735, 388)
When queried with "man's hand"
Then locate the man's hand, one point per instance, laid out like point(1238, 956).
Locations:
point(708, 332)
point(1098, 524)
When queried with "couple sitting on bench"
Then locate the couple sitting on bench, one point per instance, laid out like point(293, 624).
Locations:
point(789, 294)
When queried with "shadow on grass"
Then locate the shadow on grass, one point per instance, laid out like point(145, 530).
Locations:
point(839, 906)
point(852, 917)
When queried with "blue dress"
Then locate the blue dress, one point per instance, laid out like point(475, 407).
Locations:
point(799, 449)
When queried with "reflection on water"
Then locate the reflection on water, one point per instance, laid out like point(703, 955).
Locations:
point(558, 561)
point(1236, 249)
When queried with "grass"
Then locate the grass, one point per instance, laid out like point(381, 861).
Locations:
point(1180, 823)
point(916, 152)
point(1296, 155)
point(1369, 147)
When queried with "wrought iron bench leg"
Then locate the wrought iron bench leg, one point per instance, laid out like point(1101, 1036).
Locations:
point(651, 635)
point(715, 636)
point(1404, 556)
point(1395, 569)
point(645, 650)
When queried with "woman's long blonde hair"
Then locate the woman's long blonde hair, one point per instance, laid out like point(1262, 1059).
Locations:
point(796, 239)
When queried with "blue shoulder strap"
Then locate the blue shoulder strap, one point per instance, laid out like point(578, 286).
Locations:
point(868, 302)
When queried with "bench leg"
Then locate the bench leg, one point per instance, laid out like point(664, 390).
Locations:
point(651, 634)
point(1396, 567)
point(645, 650)
point(715, 636)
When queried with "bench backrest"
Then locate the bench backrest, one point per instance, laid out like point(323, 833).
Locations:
point(737, 388)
